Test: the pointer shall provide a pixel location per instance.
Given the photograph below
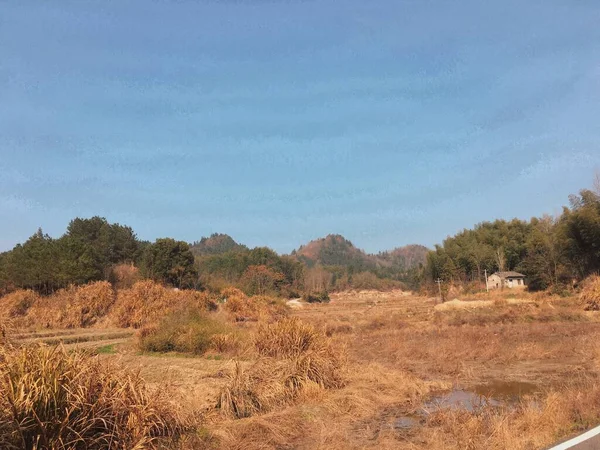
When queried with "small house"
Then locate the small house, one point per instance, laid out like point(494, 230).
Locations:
point(509, 280)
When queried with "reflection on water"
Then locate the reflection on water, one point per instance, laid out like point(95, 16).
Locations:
point(508, 391)
point(493, 393)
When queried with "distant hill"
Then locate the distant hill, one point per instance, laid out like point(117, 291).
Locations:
point(335, 250)
point(216, 244)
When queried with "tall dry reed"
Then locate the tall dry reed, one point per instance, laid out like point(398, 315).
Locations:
point(59, 400)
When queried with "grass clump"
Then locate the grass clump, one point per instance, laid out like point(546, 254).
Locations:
point(242, 308)
point(73, 307)
point(5, 328)
point(590, 294)
point(318, 297)
point(17, 304)
point(146, 302)
point(106, 350)
point(189, 331)
point(296, 359)
point(54, 399)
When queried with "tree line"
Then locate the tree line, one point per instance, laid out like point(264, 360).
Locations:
point(552, 252)
point(94, 249)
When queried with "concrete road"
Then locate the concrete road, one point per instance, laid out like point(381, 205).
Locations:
point(590, 440)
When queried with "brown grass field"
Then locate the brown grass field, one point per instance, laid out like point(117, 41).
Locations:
point(368, 370)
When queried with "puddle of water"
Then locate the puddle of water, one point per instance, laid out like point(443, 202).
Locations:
point(405, 423)
point(493, 393)
point(459, 399)
point(507, 391)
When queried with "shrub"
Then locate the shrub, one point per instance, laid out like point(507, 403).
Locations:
point(590, 294)
point(74, 307)
point(17, 304)
point(54, 399)
point(189, 331)
point(242, 308)
point(288, 338)
point(296, 359)
point(124, 276)
point(146, 302)
point(5, 329)
point(320, 297)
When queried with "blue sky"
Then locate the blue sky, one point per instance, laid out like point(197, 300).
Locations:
point(390, 122)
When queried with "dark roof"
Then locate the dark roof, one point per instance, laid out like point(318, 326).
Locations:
point(510, 275)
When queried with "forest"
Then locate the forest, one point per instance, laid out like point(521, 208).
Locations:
point(553, 252)
point(93, 250)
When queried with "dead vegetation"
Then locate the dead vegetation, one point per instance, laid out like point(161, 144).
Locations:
point(74, 307)
point(190, 330)
point(339, 375)
point(295, 359)
point(590, 293)
point(533, 423)
point(146, 302)
point(242, 308)
point(53, 399)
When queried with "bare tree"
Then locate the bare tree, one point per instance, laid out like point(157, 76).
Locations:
point(500, 259)
point(596, 184)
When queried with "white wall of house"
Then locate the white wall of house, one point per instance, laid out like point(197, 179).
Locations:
point(495, 282)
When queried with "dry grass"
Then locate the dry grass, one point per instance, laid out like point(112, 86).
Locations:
point(293, 387)
point(5, 331)
point(190, 330)
point(295, 360)
point(17, 304)
point(74, 307)
point(535, 423)
point(501, 311)
point(590, 294)
point(97, 303)
point(242, 308)
point(53, 399)
point(146, 302)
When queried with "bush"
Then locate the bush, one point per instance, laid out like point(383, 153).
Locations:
point(368, 280)
point(590, 294)
point(17, 304)
point(74, 307)
point(242, 308)
point(189, 331)
point(123, 276)
point(146, 302)
point(320, 297)
point(296, 359)
point(59, 400)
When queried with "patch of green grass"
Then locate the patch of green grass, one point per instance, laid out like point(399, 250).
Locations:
point(106, 350)
point(191, 331)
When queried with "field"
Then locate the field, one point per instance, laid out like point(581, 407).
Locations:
point(511, 371)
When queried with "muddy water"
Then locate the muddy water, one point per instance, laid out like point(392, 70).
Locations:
point(506, 391)
point(495, 393)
